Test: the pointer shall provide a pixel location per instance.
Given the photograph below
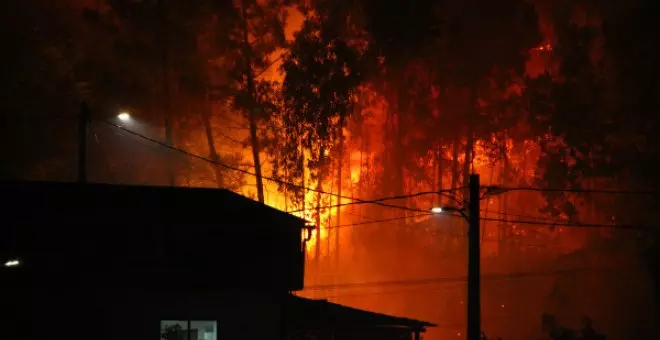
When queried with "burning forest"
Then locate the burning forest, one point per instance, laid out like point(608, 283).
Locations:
point(360, 116)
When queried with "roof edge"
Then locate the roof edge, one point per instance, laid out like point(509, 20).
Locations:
point(27, 183)
point(403, 322)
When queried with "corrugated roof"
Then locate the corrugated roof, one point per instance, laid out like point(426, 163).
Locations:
point(309, 313)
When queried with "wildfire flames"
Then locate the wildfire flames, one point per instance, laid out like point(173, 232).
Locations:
point(403, 261)
point(328, 264)
point(354, 168)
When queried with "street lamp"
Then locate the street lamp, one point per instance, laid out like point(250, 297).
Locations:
point(437, 210)
point(448, 209)
point(12, 263)
point(124, 116)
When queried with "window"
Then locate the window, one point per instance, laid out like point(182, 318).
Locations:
point(188, 330)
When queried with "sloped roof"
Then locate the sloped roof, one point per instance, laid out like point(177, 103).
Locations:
point(309, 313)
point(151, 204)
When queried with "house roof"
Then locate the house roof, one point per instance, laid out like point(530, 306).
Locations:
point(153, 204)
point(309, 313)
point(141, 232)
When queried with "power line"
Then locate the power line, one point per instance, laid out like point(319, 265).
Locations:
point(455, 198)
point(235, 127)
point(577, 225)
point(269, 66)
point(390, 198)
point(390, 220)
point(190, 154)
point(231, 119)
point(448, 279)
point(538, 218)
point(379, 201)
point(404, 291)
point(243, 127)
point(378, 221)
point(498, 189)
point(542, 222)
point(231, 138)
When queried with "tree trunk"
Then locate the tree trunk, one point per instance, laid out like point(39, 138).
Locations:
point(402, 159)
point(504, 176)
point(438, 200)
point(449, 236)
point(440, 169)
point(213, 153)
point(304, 183)
point(340, 164)
point(365, 148)
point(319, 189)
point(286, 175)
point(454, 166)
point(469, 145)
point(254, 139)
point(398, 149)
point(434, 179)
point(469, 151)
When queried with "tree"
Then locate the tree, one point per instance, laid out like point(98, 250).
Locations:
point(322, 76)
point(504, 31)
point(597, 116)
point(245, 38)
point(391, 47)
point(214, 70)
point(448, 40)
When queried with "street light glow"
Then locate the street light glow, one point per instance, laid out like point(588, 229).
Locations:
point(124, 116)
point(437, 210)
point(12, 263)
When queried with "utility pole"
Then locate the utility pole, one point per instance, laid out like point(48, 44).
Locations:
point(474, 259)
point(82, 142)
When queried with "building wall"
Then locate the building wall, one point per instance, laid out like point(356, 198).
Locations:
point(239, 314)
point(56, 309)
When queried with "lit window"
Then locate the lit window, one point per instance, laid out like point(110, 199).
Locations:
point(188, 330)
point(173, 330)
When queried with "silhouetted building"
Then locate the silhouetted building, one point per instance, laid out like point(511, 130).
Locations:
point(97, 261)
point(323, 320)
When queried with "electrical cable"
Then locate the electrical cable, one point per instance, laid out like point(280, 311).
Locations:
point(575, 225)
point(499, 189)
point(378, 221)
point(269, 65)
point(384, 204)
point(380, 203)
point(230, 138)
point(538, 218)
point(484, 240)
point(449, 279)
point(190, 154)
point(442, 192)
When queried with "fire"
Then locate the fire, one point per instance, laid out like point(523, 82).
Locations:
point(363, 169)
point(545, 47)
point(279, 200)
point(356, 163)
